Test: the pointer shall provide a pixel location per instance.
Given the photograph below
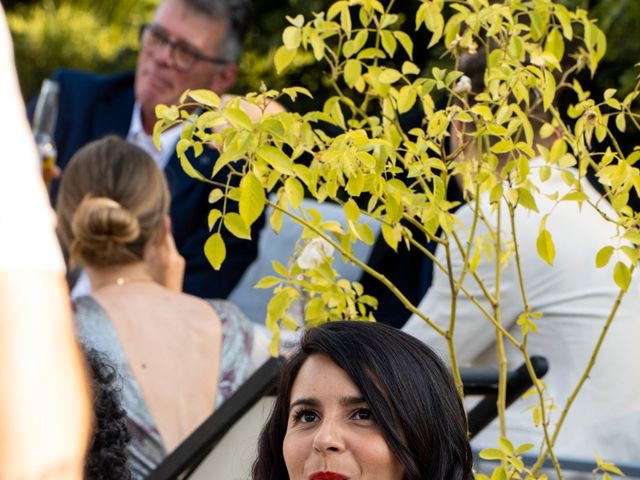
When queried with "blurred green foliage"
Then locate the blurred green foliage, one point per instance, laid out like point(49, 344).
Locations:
point(95, 36)
point(103, 37)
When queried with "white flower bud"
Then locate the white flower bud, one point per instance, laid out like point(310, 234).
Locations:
point(314, 253)
point(463, 85)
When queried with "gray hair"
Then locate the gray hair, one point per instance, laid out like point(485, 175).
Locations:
point(236, 12)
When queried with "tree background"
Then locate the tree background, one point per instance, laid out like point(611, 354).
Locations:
point(103, 37)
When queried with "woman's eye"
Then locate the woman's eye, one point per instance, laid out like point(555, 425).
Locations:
point(363, 414)
point(305, 416)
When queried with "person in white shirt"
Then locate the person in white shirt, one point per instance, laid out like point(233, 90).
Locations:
point(574, 298)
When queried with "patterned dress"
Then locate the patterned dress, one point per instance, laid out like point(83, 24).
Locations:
point(146, 450)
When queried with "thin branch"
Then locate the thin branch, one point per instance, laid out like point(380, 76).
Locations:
point(366, 268)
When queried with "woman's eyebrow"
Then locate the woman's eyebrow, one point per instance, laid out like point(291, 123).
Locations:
point(352, 400)
point(311, 402)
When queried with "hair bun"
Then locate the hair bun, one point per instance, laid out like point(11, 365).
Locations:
point(102, 228)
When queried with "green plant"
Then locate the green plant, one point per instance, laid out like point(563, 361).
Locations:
point(401, 177)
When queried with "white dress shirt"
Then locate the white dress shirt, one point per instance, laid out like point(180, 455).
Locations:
point(575, 299)
point(168, 139)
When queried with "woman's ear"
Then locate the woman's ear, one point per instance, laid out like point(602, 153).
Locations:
point(166, 226)
point(160, 237)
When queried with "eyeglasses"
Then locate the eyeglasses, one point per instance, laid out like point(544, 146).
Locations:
point(183, 55)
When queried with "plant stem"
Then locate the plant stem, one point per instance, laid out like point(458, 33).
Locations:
point(584, 377)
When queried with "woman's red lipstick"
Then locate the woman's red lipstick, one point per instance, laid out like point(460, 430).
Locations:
point(328, 476)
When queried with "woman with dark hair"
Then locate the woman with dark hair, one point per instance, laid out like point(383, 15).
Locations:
point(361, 401)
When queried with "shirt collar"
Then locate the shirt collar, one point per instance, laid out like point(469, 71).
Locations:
point(139, 137)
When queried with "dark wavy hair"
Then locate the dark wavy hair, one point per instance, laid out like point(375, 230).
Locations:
point(407, 387)
point(107, 457)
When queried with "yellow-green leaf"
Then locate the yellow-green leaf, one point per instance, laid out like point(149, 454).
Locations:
point(237, 117)
point(267, 282)
point(545, 246)
point(610, 467)
point(621, 122)
point(283, 58)
point(547, 130)
point(405, 41)
point(215, 250)
point(205, 97)
point(252, 198)
point(430, 14)
point(491, 454)
point(293, 92)
point(499, 474)
point(235, 224)
point(295, 191)
point(315, 309)
point(389, 75)
point(365, 233)
point(503, 146)
point(622, 276)
point(182, 146)
point(410, 68)
point(545, 173)
point(352, 71)
point(389, 42)
point(549, 92)
point(526, 199)
point(506, 446)
point(275, 220)
point(289, 323)
point(336, 8)
point(167, 113)
point(274, 344)
point(525, 447)
point(276, 158)
point(279, 268)
point(291, 37)
point(555, 44)
point(482, 111)
point(391, 235)
point(190, 170)
point(406, 98)
point(563, 15)
point(438, 124)
point(214, 215)
point(278, 305)
point(297, 21)
point(215, 195)
point(351, 210)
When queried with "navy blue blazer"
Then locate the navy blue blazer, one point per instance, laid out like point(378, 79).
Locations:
point(93, 106)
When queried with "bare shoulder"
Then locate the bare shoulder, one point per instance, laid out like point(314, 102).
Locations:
point(196, 307)
point(149, 300)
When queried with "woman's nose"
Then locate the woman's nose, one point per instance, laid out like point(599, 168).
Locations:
point(329, 437)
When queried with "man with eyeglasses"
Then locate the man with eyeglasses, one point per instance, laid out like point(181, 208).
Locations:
point(189, 44)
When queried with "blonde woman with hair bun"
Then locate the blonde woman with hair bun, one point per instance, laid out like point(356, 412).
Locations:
point(179, 356)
